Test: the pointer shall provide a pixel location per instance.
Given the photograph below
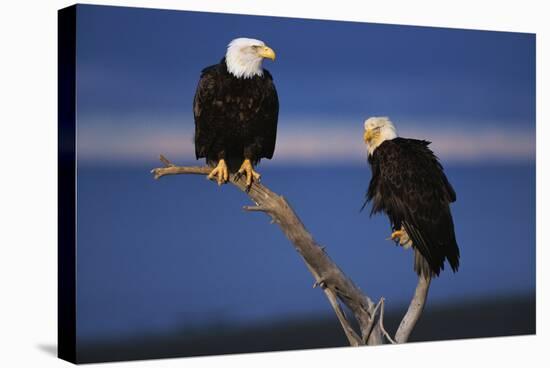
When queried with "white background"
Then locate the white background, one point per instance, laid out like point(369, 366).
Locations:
point(28, 185)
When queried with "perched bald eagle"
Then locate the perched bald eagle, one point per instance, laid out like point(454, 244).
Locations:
point(236, 110)
point(409, 185)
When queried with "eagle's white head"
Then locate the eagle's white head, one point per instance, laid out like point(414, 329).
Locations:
point(244, 57)
point(377, 130)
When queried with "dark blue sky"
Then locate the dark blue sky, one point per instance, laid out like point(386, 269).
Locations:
point(150, 60)
point(471, 92)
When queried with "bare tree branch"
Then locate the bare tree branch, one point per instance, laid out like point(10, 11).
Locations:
point(415, 310)
point(338, 288)
point(353, 338)
point(381, 322)
point(254, 209)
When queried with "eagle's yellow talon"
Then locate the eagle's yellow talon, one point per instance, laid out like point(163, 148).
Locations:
point(397, 234)
point(220, 173)
point(248, 169)
point(402, 238)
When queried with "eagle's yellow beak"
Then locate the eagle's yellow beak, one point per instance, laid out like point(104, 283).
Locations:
point(368, 135)
point(267, 52)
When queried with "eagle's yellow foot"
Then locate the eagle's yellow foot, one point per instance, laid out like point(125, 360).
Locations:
point(396, 235)
point(220, 173)
point(402, 238)
point(248, 169)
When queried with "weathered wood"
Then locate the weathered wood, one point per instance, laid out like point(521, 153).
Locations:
point(334, 283)
point(415, 310)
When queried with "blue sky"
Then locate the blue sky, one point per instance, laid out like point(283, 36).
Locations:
point(471, 92)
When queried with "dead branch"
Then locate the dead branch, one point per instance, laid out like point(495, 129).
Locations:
point(415, 310)
point(338, 288)
point(381, 322)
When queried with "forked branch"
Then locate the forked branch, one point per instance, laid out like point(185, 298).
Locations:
point(337, 287)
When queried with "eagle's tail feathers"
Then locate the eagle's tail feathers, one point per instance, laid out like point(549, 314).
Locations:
point(422, 267)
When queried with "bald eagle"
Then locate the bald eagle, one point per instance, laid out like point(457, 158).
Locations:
point(409, 185)
point(236, 110)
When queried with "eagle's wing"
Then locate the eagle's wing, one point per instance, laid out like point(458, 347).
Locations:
point(269, 110)
point(205, 122)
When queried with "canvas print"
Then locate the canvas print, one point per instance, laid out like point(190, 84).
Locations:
point(233, 183)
